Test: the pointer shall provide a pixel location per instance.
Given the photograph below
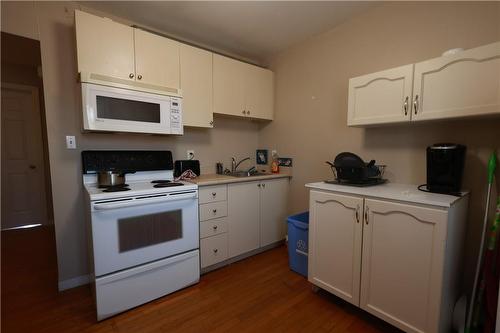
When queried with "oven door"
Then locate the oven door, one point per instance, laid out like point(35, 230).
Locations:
point(122, 110)
point(132, 231)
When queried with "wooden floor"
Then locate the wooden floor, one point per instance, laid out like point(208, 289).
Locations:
point(259, 294)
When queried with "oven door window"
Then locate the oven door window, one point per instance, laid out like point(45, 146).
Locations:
point(129, 110)
point(146, 230)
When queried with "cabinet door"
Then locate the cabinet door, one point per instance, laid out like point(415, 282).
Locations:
point(104, 47)
point(273, 210)
point(229, 86)
point(157, 61)
point(464, 84)
point(380, 98)
point(196, 85)
point(403, 253)
point(259, 93)
point(335, 231)
point(243, 217)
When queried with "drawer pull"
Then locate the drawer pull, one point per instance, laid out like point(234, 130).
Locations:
point(214, 211)
point(216, 250)
point(214, 194)
point(215, 227)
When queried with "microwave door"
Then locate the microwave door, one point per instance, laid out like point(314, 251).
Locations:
point(121, 110)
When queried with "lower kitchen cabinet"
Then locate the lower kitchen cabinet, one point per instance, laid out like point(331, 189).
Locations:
point(256, 218)
point(213, 250)
point(243, 213)
point(273, 210)
point(335, 244)
point(402, 264)
point(398, 260)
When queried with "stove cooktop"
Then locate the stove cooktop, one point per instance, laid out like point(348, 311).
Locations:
point(141, 187)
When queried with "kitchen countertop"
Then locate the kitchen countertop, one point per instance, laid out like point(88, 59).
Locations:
point(214, 179)
point(393, 191)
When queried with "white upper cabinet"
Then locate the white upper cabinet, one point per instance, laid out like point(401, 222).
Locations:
point(380, 98)
point(259, 98)
point(229, 86)
point(242, 89)
point(118, 55)
point(196, 86)
point(459, 85)
point(104, 47)
point(157, 61)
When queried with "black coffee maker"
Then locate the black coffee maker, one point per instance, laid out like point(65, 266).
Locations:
point(445, 167)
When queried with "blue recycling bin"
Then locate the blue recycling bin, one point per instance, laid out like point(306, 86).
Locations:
point(298, 239)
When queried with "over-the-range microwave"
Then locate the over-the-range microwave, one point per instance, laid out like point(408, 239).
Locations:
point(122, 110)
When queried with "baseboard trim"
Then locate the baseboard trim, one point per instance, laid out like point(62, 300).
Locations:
point(74, 282)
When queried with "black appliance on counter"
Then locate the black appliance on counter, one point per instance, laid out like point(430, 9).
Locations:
point(182, 165)
point(445, 167)
point(350, 169)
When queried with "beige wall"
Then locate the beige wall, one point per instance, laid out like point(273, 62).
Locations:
point(312, 87)
point(311, 106)
point(53, 24)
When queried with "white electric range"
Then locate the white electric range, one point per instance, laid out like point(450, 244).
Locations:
point(144, 237)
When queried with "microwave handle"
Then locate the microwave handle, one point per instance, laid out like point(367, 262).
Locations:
point(141, 202)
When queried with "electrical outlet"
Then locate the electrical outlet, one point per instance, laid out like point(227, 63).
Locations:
point(190, 154)
point(70, 142)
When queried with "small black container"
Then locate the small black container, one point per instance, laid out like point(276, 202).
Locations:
point(445, 167)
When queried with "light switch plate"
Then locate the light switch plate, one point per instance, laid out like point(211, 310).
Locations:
point(70, 142)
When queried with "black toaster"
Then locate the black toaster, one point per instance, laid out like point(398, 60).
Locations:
point(182, 165)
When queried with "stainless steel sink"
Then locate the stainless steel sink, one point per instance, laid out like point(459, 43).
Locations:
point(248, 174)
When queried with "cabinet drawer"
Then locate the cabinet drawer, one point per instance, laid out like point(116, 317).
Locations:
point(212, 194)
point(213, 227)
point(213, 210)
point(213, 250)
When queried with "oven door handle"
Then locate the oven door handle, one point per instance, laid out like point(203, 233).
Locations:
point(141, 201)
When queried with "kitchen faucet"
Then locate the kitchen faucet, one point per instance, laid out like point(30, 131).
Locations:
point(235, 165)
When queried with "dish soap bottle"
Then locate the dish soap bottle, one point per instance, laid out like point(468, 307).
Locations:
point(275, 168)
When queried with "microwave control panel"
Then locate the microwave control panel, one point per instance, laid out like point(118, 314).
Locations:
point(176, 116)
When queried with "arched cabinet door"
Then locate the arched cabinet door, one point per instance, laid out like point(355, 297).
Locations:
point(459, 85)
point(381, 98)
point(335, 231)
point(402, 264)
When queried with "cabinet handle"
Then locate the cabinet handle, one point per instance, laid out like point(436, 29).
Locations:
point(216, 250)
point(258, 185)
point(211, 123)
point(357, 214)
point(215, 227)
point(248, 112)
point(415, 104)
point(214, 210)
point(264, 185)
point(139, 77)
point(405, 106)
point(131, 75)
point(214, 194)
point(243, 111)
point(366, 215)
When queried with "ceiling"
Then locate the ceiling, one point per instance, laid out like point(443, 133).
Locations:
point(254, 30)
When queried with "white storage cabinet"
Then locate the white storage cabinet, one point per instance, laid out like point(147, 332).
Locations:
point(389, 252)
